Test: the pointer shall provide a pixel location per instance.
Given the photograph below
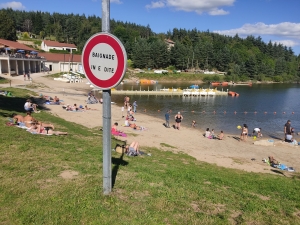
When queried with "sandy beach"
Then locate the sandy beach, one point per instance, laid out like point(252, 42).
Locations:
point(230, 152)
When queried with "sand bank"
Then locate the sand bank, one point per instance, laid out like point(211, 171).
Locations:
point(228, 153)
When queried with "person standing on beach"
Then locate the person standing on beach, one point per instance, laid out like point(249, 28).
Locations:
point(244, 133)
point(287, 129)
point(178, 119)
point(134, 106)
point(167, 117)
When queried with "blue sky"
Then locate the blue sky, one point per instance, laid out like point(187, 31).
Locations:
point(275, 20)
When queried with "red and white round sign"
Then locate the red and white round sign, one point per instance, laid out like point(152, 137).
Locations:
point(104, 60)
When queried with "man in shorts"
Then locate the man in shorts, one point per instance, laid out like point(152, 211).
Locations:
point(167, 117)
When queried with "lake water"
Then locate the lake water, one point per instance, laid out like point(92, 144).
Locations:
point(274, 104)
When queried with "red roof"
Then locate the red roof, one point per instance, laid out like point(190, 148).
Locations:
point(56, 57)
point(58, 44)
point(170, 41)
point(15, 45)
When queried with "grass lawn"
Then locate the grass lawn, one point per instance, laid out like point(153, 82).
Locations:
point(4, 80)
point(164, 188)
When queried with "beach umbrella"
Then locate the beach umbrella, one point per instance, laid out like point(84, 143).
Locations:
point(7, 48)
point(20, 51)
point(33, 52)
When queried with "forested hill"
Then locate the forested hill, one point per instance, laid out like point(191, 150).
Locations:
point(240, 58)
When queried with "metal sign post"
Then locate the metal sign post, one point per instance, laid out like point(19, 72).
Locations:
point(104, 62)
point(106, 94)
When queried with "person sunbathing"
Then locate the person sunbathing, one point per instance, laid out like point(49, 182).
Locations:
point(28, 119)
point(135, 127)
point(132, 149)
point(43, 129)
point(56, 100)
point(17, 119)
point(114, 128)
point(116, 132)
point(87, 108)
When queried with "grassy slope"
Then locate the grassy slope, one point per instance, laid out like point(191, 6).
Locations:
point(165, 188)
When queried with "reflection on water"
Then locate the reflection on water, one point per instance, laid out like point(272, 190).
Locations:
point(273, 104)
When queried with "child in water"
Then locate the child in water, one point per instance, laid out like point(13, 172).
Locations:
point(194, 124)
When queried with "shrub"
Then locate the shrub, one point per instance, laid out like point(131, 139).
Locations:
point(277, 79)
point(25, 35)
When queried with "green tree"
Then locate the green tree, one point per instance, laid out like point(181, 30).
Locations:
point(179, 56)
point(251, 68)
point(37, 22)
point(7, 27)
point(141, 54)
point(160, 54)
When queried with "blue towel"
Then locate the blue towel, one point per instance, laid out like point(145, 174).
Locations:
point(282, 167)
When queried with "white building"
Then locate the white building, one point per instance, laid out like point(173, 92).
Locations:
point(61, 62)
point(47, 45)
point(17, 59)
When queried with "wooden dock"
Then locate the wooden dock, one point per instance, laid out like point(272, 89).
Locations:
point(165, 93)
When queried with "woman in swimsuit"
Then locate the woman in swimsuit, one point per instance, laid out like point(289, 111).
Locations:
point(178, 119)
point(244, 133)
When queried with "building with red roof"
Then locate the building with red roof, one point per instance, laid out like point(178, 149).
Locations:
point(17, 59)
point(47, 45)
point(61, 62)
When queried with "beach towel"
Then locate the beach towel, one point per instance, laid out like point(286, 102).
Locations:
point(119, 134)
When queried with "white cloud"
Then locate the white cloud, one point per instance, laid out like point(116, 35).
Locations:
point(13, 5)
point(116, 1)
point(289, 32)
point(111, 1)
point(285, 29)
point(289, 43)
point(212, 7)
point(153, 5)
point(217, 12)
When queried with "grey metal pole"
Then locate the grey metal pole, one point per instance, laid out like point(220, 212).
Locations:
point(107, 180)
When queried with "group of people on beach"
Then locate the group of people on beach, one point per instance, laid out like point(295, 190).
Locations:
point(211, 134)
point(131, 109)
point(288, 130)
point(34, 126)
point(178, 119)
point(256, 133)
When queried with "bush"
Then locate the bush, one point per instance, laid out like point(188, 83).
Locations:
point(58, 51)
point(129, 63)
point(277, 79)
point(37, 42)
point(244, 78)
point(216, 78)
point(25, 35)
